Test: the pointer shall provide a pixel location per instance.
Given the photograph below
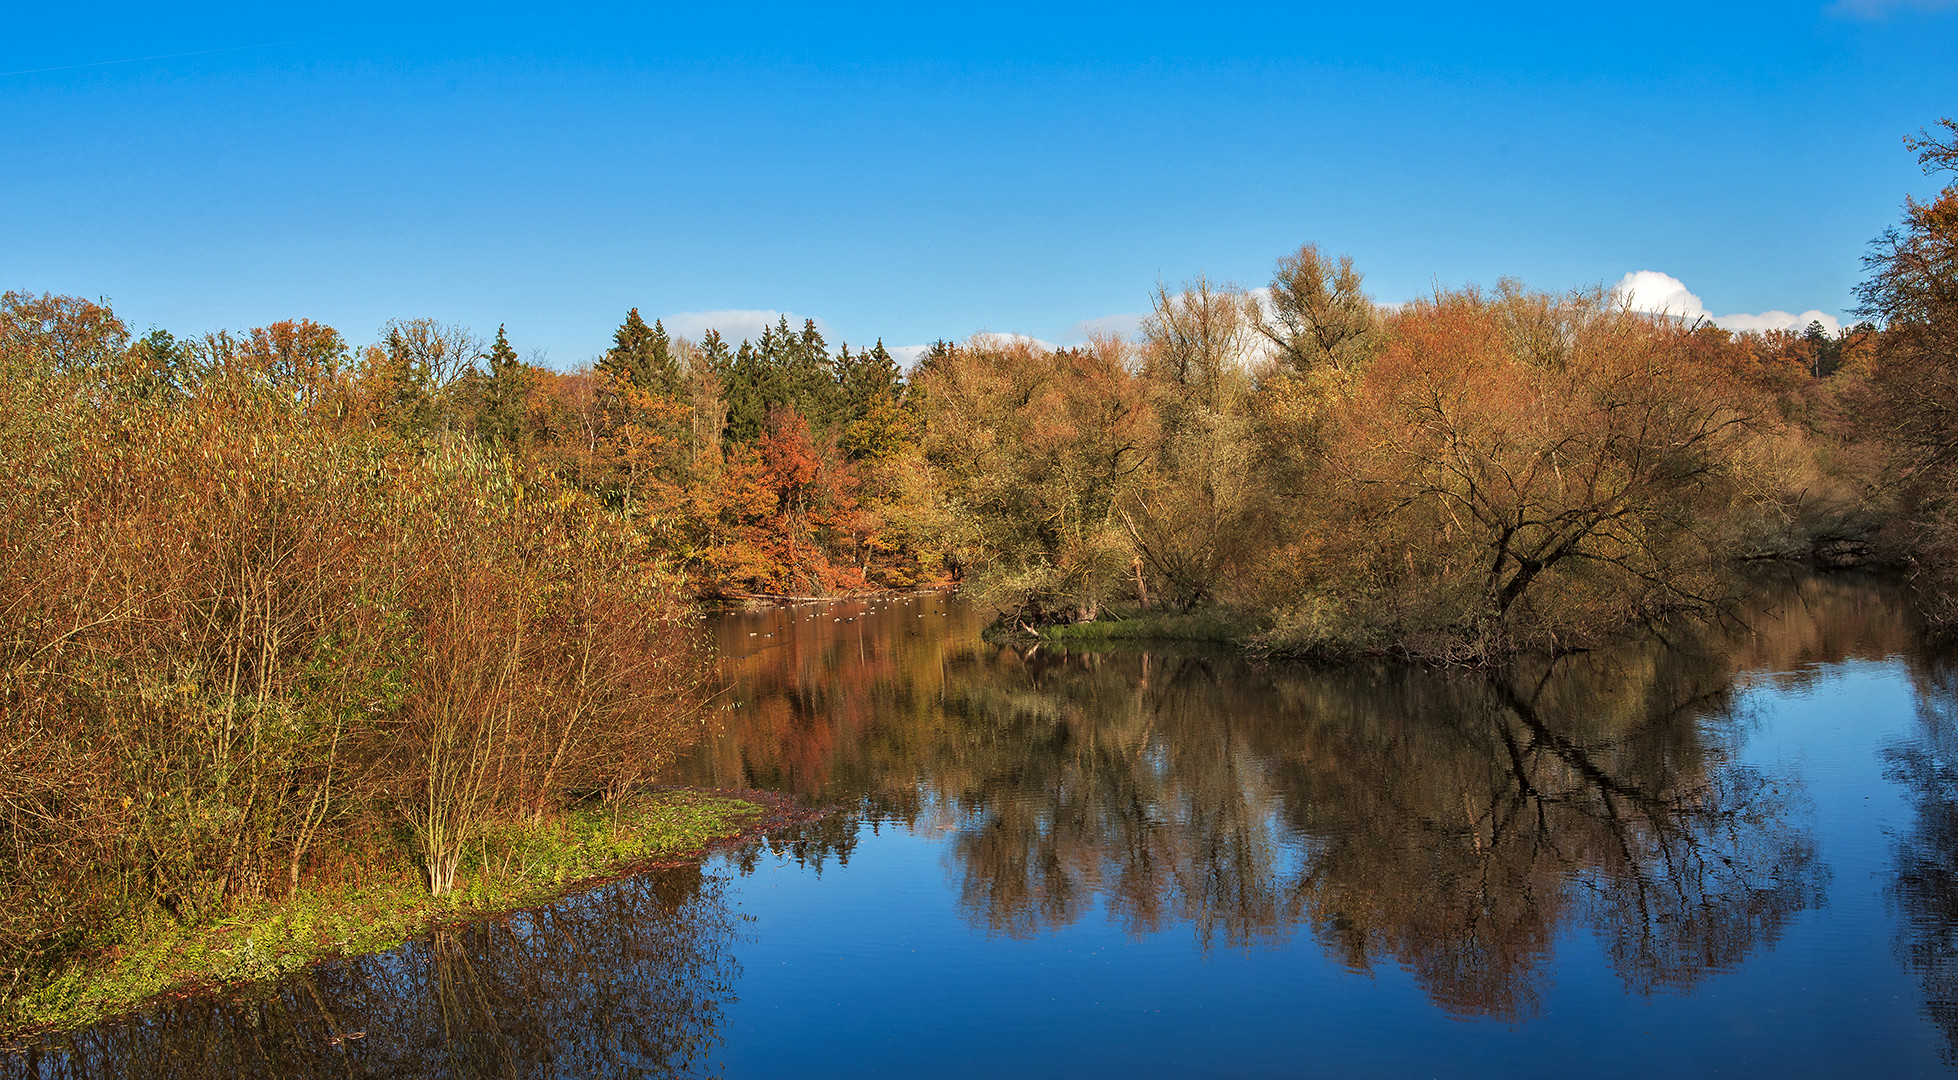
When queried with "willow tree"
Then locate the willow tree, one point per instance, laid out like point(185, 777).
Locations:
point(1194, 523)
point(1036, 450)
point(1319, 315)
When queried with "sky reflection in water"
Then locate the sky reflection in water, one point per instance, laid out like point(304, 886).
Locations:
point(1732, 853)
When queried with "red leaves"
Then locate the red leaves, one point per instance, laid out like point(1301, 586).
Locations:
point(783, 517)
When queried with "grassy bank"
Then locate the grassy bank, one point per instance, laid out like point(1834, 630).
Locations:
point(380, 902)
point(1148, 626)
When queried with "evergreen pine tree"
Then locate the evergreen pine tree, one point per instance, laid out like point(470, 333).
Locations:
point(813, 385)
point(752, 388)
point(409, 398)
point(642, 356)
point(798, 372)
point(1824, 352)
point(665, 366)
point(868, 377)
point(876, 423)
point(715, 354)
point(504, 390)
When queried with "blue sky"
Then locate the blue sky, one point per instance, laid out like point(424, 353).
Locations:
point(915, 172)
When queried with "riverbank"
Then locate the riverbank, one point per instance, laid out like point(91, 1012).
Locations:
point(515, 866)
point(1489, 645)
point(1253, 640)
point(1146, 626)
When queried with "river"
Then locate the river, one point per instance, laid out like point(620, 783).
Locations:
point(1730, 851)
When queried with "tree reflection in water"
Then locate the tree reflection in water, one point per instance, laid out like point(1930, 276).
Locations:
point(1926, 888)
point(625, 980)
point(1458, 826)
point(1453, 824)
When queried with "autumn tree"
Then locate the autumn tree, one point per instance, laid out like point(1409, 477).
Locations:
point(783, 518)
point(706, 401)
point(1913, 285)
point(1912, 292)
point(1193, 524)
point(297, 355)
point(1037, 450)
point(1479, 491)
point(1322, 330)
point(408, 380)
point(1319, 317)
point(59, 334)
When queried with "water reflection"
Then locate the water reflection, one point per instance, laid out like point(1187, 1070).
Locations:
point(1456, 825)
point(628, 980)
point(1461, 828)
point(1926, 888)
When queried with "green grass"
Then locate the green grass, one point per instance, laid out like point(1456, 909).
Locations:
point(1146, 626)
point(514, 866)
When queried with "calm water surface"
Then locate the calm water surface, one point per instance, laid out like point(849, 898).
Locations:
point(1731, 853)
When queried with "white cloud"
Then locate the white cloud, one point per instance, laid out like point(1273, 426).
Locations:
point(1660, 294)
point(1663, 294)
point(990, 336)
point(1880, 9)
point(735, 324)
point(1127, 324)
point(907, 355)
point(1780, 320)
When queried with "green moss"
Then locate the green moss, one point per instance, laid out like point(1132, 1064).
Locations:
point(513, 866)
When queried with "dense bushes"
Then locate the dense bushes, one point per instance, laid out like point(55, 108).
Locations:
point(244, 626)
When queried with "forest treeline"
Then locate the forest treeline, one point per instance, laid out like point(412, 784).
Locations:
point(266, 593)
point(1464, 476)
point(1479, 469)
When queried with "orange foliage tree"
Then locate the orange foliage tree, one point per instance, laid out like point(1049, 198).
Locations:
point(783, 519)
point(1475, 488)
point(1912, 291)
